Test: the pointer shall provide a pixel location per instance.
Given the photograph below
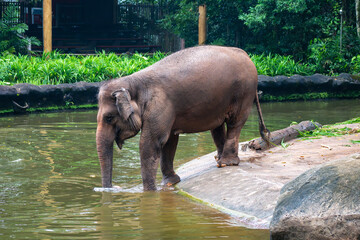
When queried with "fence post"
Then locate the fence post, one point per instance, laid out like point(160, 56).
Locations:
point(202, 24)
point(47, 25)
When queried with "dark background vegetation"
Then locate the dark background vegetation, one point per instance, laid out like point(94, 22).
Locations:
point(304, 31)
point(308, 30)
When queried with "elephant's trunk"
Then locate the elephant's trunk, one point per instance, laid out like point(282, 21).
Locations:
point(104, 144)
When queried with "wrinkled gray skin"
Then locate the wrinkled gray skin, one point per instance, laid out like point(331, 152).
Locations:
point(193, 90)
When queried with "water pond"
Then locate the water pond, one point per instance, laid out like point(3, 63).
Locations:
point(49, 168)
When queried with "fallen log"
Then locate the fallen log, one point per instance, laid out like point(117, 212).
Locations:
point(283, 135)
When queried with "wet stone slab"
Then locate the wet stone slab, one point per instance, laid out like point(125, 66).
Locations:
point(232, 189)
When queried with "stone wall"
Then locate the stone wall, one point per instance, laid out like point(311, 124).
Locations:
point(282, 85)
point(23, 96)
point(32, 96)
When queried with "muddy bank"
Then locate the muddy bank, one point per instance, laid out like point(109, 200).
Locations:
point(21, 97)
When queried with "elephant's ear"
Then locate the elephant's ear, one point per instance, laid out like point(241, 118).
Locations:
point(123, 103)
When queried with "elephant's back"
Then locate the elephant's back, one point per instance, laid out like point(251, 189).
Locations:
point(206, 70)
point(203, 59)
point(205, 84)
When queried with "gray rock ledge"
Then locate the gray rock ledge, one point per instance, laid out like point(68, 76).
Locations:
point(322, 203)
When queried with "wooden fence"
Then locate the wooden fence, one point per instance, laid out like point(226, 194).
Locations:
point(142, 18)
point(15, 12)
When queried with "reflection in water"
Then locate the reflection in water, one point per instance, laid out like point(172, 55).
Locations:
point(49, 168)
point(164, 215)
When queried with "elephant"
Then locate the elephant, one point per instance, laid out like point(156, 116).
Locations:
point(193, 90)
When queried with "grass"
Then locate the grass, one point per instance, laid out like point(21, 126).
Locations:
point(274, 65)
point(330, 130)
point(56, 68)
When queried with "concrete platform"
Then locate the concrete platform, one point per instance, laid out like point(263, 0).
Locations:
point(249, 192)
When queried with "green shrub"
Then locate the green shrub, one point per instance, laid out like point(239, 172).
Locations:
point(12, 40)
point(274, 64)
point(56, 68)
point(326, 57)
point(355, 65)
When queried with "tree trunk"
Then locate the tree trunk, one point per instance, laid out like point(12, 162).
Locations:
point(357, 11)
point(47, 25)
point(202, 24)
point(283, 135)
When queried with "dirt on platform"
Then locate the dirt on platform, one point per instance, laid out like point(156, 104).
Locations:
point(302, 154)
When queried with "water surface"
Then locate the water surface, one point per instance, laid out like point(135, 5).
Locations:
point(49, 168)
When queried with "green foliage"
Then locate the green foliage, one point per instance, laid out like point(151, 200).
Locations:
point(355, 65)
point(223, 25)
point(274, 64)
point(284, 145)
point(287, 26)
point(56, 68)
point(183, 21)
point(327, 131)
point(12, 39)
point(219, 42)
point(331, 130)
point(351, 121)
point(326, 57)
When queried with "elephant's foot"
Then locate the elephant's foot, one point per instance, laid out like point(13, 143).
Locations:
point(170, 180)
point(228, 161)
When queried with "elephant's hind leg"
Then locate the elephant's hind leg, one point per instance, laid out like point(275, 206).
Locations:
point(167, 160)
point(229, 156)
point(219, 136)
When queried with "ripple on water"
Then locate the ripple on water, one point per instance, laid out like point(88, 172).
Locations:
point(118, 189)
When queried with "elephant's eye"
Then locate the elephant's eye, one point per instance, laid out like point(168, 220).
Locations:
point(109, 118)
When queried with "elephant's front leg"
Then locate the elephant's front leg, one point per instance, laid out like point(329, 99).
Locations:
point(167, 160)
point(150, 157)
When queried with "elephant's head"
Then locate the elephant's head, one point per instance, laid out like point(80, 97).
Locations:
point(118, 119)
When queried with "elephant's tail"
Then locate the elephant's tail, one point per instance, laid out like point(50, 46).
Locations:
point(264, 132)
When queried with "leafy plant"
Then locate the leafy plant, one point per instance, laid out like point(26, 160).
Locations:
point(286, 26)
point(329, 131)
point(182, 21)
point(355, 65)
point(219, 42)
point(325, 55)
point(57, 68)
point(284, 145)
point(12, 39)
point(275, 64)
point(351, 121)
